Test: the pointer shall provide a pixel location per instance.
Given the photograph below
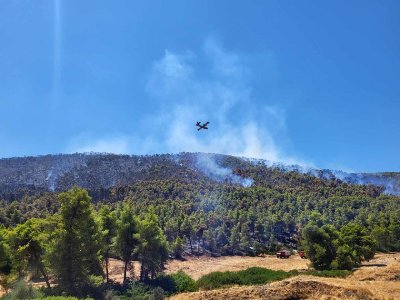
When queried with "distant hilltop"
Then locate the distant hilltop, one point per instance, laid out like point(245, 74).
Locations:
point(95, 171)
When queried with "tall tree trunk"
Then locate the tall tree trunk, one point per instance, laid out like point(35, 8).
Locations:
point(46, 278)
point(107, 269)
point(141, 272)
point(125, 268)
point(191, 247)
point(42, 270)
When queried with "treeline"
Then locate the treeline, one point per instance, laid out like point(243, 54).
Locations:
point(71, 247)
point(226, 219)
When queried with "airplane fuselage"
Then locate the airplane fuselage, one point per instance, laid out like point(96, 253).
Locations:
point(204, 126)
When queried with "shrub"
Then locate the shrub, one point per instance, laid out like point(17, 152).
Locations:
point(176, 283)
point(257, 275)
point(245, 277)
point(158, 294)
point(183, 282)
point(217, 279)
point(139, 291)
point(23, 291)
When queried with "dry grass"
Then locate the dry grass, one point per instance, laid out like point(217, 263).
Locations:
point(196, 267)
point(300, 287)
point(199, 266)
point(377, 279)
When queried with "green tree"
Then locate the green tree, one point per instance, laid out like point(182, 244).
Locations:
point(382, 237)
point(127, 238)
point(188, 231)
point(75, 254)
point(108, 232)
point(28, 243)
point(152, 251)
point(5, 259)
point(319, 246)
point(234, 240)
point(209, 237)
point(345, 258)
point(359, 241)
point(177, 248)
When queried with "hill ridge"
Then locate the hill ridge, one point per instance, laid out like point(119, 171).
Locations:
point(58, 172)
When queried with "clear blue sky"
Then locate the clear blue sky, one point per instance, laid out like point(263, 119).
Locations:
point(309, 82)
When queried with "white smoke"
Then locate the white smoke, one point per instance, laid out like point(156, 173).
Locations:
point(222, 94)
point(212, 85)
point(208, 165)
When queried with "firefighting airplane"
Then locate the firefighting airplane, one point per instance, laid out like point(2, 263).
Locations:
point(204, 126)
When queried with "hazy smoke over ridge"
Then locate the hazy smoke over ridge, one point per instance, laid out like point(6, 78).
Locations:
point(208, 165)
point(221, 93)
point(212, 85)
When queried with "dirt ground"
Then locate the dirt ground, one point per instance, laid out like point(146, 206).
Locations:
point(376, 279)
point(196, 267)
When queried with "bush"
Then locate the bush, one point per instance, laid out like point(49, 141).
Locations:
point(110, 295)
point(23, 291)
point(176, 283)
point(245, 277)
point(257, 275)
point(139, 291)
point(183, 282)
point(158, 294)
point(215, 280)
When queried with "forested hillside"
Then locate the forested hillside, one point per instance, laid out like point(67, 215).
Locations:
point(94, 172)
point(216, 203)
point(149, 208)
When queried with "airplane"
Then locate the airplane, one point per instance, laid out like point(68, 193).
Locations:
point(204, 126)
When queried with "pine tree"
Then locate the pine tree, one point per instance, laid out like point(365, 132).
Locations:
point(177, 248)
point(75, 254)
point(234, 240)
point(152, 250)
point(127, 238)
point(108, 232)
point(5, 260)
point(188, 231)
point(28, 242)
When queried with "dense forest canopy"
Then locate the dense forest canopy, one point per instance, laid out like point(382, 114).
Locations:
point(218, 203)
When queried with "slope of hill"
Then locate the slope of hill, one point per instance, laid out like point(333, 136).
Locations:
point(221, 204)
point(96, 171)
